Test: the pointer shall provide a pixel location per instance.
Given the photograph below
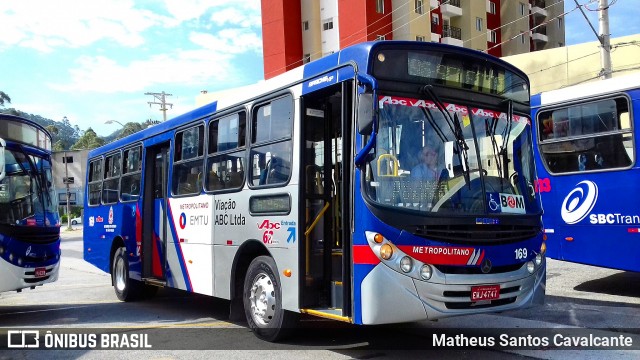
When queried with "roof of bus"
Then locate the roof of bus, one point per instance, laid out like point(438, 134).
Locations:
point(586, 90)
point(358, 54)
point(23, 120)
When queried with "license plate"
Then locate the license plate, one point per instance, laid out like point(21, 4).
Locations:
point(41, 272)
point(485, 292)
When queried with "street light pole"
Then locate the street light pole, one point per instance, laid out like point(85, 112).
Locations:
point(113, 121)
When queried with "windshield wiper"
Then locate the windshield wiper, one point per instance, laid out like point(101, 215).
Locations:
point(490, 131)
point(505, 139)
point(454, 125)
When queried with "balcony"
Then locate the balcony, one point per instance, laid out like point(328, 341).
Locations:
point(451, 35)
point(538, 9)
point(433, 4)
point(540, 34)
point(450, 8)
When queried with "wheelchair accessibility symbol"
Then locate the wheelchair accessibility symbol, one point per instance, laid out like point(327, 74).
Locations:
point(493, 205)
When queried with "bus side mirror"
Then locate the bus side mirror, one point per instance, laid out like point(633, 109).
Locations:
point(365, 113)
point(3, 172)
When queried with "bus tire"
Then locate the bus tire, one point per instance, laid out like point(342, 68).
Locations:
point(262, 298)
point(126, 288)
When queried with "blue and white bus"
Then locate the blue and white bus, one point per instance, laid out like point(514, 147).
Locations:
point(586, 165)
point(305, 196)
point(29, 224)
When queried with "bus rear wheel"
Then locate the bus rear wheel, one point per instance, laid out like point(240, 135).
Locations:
point(262, 298)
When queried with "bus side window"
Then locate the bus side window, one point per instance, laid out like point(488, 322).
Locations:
point(271, 142)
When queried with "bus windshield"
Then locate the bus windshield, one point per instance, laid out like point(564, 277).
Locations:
point(26, 191)
point(461, 159)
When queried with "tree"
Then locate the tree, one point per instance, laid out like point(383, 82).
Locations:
point(89, 140)
point(130, 128)
point(4, 98)
point(58, 146)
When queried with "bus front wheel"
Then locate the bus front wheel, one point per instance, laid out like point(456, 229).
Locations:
point(262, 297)
point(126, 288)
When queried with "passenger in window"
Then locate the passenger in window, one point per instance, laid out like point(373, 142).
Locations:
point(582, 162)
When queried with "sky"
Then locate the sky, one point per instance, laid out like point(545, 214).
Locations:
point(93, 61)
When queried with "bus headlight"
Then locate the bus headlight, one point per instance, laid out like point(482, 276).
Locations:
point(19, 261)
point(425, 272)
point(406, 264)
point(538, 259)
point(1, 250)
point(543, 248)
point(10, 257)
point(386, 251)
point(531, 267)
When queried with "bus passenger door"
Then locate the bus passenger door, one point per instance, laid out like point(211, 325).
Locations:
point(154, 218)
point(325, 181)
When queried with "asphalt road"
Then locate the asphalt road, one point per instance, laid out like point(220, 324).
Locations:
point(578, 296)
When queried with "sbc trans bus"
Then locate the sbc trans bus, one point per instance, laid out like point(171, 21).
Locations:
point(310, 196)
point(29, 224)
point(585, 156)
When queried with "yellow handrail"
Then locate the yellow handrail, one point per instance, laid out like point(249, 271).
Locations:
point(393, 160)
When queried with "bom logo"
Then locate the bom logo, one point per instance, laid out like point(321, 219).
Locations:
point(579, 202)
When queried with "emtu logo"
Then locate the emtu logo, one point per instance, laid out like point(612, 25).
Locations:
point(580, 201)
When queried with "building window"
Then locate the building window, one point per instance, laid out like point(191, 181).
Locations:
point(479, 24)
point(522, 38)
point(305, 25)
point(435, 19)
point(306, 58)
point(62, 198)
point(67, 159)
point(380, 37)
point(560, 23)
point(380, 6)
point(493, 36)
point(492, 7)
point(327, 24)
point(522, 9)
point(419, 7)
point(419, 38)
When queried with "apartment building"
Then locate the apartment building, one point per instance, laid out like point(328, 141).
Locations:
point(298, 31)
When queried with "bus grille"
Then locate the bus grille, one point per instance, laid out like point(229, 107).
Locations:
point(477, 233)
point(475, 270)
point(32, 234)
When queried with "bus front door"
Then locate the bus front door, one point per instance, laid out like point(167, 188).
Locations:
point(326, 249)
point(154, 218)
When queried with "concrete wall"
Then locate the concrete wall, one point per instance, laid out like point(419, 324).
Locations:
point(560, 67)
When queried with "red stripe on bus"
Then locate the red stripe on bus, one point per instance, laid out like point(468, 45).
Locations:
point(363, 255)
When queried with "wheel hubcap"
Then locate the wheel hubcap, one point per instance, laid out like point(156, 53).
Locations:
point(262, 298)
point(120, 277)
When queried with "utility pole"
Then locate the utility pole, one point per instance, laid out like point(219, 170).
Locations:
point(162, 102)
point(605, 53)
point(66, 181)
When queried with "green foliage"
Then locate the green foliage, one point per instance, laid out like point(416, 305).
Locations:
point(4, 98)
point(89, 140)
point(130, 128)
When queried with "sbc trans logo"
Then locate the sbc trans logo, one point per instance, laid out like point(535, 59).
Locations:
point(580, 201)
